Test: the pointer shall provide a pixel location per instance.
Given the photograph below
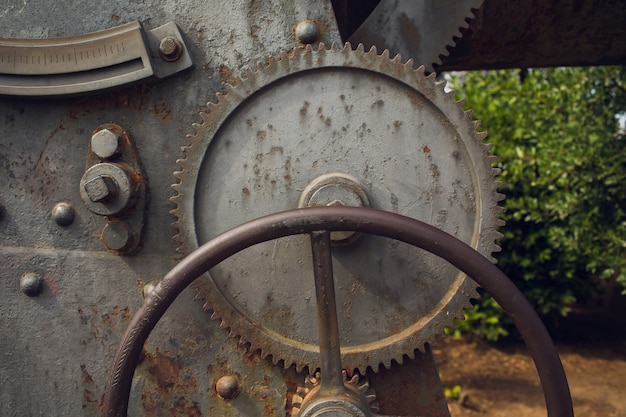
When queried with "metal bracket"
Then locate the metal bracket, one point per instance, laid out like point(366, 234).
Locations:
point(115, 189)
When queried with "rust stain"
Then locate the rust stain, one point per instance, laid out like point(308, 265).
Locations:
point(52, 283)
point(86, 377)
point(426, 149)
point(170, 389)
point(226, 75)
point(148, 403)
point(162, 111)
point(358, 286)
point(165, 369)
point(124, 313)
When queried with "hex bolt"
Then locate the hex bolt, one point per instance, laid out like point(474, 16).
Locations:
point(116, 236)
point(31, 284)
point(307, 32)
point(227, 387)
point(63, 213)
point(105, 144)
point(101, 189)
point(170, 49)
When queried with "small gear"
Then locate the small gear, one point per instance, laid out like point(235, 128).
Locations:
point(337, 113)
point(357, 382)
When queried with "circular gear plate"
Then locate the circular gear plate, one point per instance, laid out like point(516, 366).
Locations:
point(411, 147)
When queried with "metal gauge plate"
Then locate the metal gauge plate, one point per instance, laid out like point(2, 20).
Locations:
point(90, 62)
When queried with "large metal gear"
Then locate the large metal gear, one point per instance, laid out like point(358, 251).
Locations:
point(399, 138)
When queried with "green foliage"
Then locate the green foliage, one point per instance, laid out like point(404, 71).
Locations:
point(453, 393)
point(559, 135)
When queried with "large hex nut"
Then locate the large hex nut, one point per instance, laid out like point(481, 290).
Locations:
point(107, 189)
point(335, 189)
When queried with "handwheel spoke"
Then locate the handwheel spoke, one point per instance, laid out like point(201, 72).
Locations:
point(328, 324)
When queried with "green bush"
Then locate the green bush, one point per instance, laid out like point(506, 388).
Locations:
point(559, 135)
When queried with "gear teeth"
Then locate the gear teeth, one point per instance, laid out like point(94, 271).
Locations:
point(454, 38)
point(267, 73)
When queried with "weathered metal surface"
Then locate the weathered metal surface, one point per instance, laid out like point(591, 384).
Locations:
point(115, 189)
point(59, 342)
point(310, 113)
point(537, 33)
point(423, 30)
point(315, 219)
point(66, 300)
point(89, 62)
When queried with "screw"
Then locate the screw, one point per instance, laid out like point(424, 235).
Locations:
point(170, 49)
point(105, 143)
point(227, 387)
point(63, 213)
point(31, 284)
point(116, 236)
point(307, 32)
point(101, 189)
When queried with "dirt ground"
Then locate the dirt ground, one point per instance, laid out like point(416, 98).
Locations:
point(499, 380)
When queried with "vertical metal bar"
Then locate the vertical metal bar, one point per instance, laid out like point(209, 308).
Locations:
point(328, 324)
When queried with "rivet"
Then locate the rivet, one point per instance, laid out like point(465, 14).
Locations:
point(116, 236)
point(307, 32)
point(170, 49)
point(227, 387)
point(105, 143)
point(63, 213)
point(31, 284)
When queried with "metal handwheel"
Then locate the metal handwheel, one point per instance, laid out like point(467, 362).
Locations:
point(333, 397)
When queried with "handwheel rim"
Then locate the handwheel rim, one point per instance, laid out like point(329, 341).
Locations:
point(365, 220)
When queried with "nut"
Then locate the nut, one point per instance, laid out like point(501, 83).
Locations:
point(101, 189)
point(117, 236)
point(105, 144)
point(170, 49)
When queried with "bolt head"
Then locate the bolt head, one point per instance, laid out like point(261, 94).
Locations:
point(170, 49)
point(307, 32)
point(31, 284)
point(105, 144)
point(227, 387)
point(101, 189)
point(116, 236)
point(63, 213)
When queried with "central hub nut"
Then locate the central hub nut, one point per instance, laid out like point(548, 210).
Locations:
point(336, 189)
